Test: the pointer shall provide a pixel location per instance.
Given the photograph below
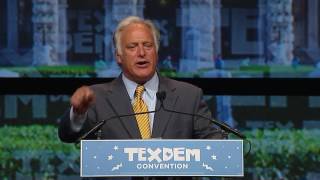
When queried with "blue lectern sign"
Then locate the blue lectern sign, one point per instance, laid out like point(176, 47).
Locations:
point(101, 158)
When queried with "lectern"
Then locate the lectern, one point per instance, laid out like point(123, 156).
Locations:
point(159, 157)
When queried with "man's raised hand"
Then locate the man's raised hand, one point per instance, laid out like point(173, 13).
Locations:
point(81, 99)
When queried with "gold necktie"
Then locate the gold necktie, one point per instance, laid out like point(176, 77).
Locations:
point(142, 119)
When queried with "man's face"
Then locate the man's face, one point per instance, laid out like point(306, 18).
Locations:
point(138, 58)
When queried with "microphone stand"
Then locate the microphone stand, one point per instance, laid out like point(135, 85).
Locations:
point(97, 127)
point(162, 95)
point(226, 128)
point(222, 125)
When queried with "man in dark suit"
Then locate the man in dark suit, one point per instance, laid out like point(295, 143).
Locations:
point(137, 43)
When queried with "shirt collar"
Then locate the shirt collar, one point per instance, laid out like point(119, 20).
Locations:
point(151, 86)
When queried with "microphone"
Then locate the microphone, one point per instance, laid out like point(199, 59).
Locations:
point(161, 97)
point(98, 126)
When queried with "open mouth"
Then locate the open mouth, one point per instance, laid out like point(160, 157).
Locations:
point(142, 63)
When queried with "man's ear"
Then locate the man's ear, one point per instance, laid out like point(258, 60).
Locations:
point(118, 57)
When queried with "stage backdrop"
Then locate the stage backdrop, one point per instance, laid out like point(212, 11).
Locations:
point(199, 39)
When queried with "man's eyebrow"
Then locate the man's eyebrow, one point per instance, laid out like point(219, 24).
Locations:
point(132, 43)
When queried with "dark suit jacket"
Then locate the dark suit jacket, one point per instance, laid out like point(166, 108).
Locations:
point(112, 98)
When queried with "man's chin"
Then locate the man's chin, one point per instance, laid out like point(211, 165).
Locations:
point(142, 78)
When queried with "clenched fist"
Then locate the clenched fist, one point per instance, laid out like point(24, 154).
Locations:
point(81, 99)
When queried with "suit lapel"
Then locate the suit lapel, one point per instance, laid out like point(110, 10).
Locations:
point(120, 100)
point(162, 118)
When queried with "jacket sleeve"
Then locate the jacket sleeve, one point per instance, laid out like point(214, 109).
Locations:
point(67, 134)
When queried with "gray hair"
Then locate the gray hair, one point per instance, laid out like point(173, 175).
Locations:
point(134, 20)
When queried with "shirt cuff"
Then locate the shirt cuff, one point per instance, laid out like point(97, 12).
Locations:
point(77, 120)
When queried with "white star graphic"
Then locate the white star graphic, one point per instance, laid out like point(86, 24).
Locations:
point(208, 147)
point(214, 157)
point(115, 148)
point(238, 147)
point(94, 157)
point(229, 157)
point(110, 157)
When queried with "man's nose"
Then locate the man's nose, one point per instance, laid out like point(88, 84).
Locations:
point(141, 51)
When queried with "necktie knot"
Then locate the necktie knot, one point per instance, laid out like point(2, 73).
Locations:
point(139, 91)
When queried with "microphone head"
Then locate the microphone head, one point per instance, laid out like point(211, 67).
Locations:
point(161, 95)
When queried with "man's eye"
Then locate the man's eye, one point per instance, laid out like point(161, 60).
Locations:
point(131, 46)
point(148, 45)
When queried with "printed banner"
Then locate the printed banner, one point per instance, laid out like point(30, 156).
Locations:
point(101, 158)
